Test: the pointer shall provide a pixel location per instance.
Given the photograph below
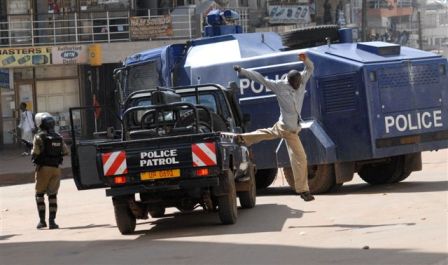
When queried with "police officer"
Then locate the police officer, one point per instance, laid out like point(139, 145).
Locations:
point(47, 153)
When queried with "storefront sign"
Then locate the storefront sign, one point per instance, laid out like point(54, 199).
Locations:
point(27, 56)
point(4, 78)
point(71, 54)
point(288, 14)
point(145, 28)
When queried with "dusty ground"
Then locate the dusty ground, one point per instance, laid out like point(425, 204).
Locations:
point(406, 223)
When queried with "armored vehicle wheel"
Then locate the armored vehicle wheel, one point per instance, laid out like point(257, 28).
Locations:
point(124, 217)
point(157, 212)
point(321, 178)
point(265, 177)
point(188, 119)
point(227, 207)
point(248, 198)
point(391, 171)
point(310, 36)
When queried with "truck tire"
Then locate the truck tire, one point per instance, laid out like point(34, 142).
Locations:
point(248, 198)
point(157, 212)
point(391, 171)
point(265, 177)
point(321, 178)
point(188, 119)
point(227, 206)
point(310, 36)
point(124, 218)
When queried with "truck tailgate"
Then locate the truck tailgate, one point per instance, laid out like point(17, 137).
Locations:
point(159, 158)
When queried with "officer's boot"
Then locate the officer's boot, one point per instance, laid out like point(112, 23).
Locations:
point(40, 201)
point(52, 199)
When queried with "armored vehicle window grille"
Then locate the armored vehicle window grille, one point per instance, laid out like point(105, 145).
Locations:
point(415, 75)
point(339, 93)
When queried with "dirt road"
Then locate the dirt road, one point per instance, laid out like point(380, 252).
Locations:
point(405, 223)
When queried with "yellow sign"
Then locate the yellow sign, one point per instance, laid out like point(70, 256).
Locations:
point(26, 56)
point(95, 55)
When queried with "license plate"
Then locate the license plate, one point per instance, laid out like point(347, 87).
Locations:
point(161, 174)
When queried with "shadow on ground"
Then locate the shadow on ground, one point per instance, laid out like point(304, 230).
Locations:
point(145, 250)
point(200, 223)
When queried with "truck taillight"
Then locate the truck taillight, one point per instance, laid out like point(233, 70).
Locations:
point(202, 172)
point(120, 180)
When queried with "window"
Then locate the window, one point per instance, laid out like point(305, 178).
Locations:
point(443, 19)
point(206, 100)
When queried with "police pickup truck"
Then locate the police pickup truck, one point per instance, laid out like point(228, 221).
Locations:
point(169, 151)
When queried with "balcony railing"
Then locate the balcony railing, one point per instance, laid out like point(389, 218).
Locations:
point(95, 27)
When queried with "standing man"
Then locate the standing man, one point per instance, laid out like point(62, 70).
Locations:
point(26, 126)
point(290, 92)
point(47, 153)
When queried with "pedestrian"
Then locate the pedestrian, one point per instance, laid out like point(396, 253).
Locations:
point(290, 92)
point(47, 153)
point(27, 127)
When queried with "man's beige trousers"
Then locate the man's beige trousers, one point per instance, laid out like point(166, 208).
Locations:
point(297, 156)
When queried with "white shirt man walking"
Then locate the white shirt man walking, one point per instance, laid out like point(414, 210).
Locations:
point(26, 126)
point(290, 92)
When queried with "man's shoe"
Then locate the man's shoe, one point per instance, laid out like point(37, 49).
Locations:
point(234, 137)
point(53, 225)
point(41, 225)
point(306, 196)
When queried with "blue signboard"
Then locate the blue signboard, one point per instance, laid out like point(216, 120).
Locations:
point(4, 78)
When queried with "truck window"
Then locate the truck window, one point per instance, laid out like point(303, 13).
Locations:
point(142, 77)
point(206, 100)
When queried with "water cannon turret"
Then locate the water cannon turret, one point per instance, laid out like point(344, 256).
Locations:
point(222, 23)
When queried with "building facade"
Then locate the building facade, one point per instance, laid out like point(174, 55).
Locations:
point(58, 54)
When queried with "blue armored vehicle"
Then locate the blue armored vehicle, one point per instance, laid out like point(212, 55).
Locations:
point(370, 108)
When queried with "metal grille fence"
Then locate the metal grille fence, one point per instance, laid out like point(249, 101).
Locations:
point(94, 27)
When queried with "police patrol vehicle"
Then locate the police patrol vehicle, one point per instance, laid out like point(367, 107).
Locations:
point(167, 152)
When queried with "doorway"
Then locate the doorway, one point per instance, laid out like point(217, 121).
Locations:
point(25, 93)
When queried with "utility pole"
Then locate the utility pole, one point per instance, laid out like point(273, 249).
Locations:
point(419, 25)
point(364, 20)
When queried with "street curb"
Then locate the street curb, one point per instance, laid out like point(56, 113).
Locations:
point(10, 179)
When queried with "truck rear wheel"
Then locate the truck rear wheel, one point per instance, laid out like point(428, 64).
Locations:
point(227, 207)
point(124, 218)
point(265, 177)
point(321, 178)
point(248, 198)
point(391, 171)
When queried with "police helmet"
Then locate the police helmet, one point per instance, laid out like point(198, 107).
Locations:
point(40, 117)
point(48, 123)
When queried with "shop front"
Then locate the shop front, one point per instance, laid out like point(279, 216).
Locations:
point(45, 78)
